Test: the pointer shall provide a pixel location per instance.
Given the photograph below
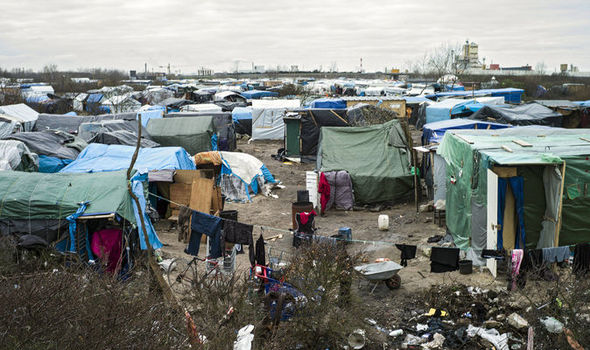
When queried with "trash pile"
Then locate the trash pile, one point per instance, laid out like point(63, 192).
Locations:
point(459, 317)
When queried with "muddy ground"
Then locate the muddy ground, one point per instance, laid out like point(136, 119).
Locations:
point(406, 226)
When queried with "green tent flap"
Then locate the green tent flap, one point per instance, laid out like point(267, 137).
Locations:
point(376, 157)
point(576, 201)
point(191, 133)
point(55, 196)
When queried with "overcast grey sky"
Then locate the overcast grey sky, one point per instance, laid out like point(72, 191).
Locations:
point(215, 33)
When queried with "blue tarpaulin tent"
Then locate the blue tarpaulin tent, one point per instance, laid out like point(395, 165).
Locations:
point(256, 94)
point(447, 109)
point(98, 157)
point(330, 103)
point(511, 95)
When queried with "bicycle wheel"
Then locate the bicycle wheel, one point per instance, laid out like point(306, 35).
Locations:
point(181, 275)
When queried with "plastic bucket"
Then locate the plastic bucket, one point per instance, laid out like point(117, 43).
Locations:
point(465, 267)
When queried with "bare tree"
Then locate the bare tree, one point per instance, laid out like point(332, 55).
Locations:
point(443, 60)
point(541, 68)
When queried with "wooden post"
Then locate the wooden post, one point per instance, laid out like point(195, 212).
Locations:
point(415, 180)
point(135, 199)
point(558, 228)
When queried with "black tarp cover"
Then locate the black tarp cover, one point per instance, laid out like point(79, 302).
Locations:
point(88, 130)
point(52, 143)
point(121, 137)
point(527, 114)
point(311, 122)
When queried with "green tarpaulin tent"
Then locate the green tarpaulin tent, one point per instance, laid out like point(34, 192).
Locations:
point(28, 196)
point(192, 134)
point(376, 157)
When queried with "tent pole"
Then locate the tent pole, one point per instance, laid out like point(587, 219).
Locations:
point(415, 180)
point(557, 231)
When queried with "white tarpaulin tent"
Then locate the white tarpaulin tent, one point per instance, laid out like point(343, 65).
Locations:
point(267, 118)
point(20, 113)
point(203, 107)
point(78, 102)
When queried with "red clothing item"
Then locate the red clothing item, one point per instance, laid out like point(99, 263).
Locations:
point(107, 245)
point(304, 216)
point(324, 189)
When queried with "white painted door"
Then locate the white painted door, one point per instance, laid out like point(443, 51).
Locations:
point(492, 224)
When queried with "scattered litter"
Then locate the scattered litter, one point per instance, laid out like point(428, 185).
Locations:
point(552, 325)
point(165, 264)
point(516, 321)
point(412, 340)
point(244, 339)
point(421, 327)
point(436, 313)
point(437, 342)
point(356, 339)
point(396, 332)
point(500, 341)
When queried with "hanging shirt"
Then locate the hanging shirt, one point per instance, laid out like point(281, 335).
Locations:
point(107, 244)
point(237, 232)
point(557, 254)
point(408, 252)
point(260, 254)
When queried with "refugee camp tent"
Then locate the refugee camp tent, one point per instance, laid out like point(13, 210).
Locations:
point(55, 149)
point(204, 108)
point(433, 165)
point(573, 114)
point(527, 114)
point(257, 94)
point(173, 104)
point(98, 157)
point(224, 127)
point(93, 103)
point(155, 95)
point(377, 158)
point(302, 129)
point(511, 95)
point(267, 118)
point(331, 103)
point(88, 130)
point(242, 117)
point(20, 113)
point(505, 187)
point(71, 124)
point(228, 96)
point(120, 104)
point(40, 204)
point(193, 134)
point(15, 155)
point(242, 175)
point(79, 101)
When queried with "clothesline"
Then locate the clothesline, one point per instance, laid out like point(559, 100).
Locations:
point(361, 241)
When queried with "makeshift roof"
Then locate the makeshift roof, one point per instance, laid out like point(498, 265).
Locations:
point(527, 114)
point(547, 145)
point(434, 132)
point(55, 196)
point(51, 143)
point(15, 155)
point(331, 103)
point(511, 95)
point(255, 94)
point(98, 158)
point(193, 134)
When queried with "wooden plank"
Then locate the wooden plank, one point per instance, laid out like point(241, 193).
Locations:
point(522, 143)
point(506, 148)
point(503, 171)
point(180, 193)
point(584, 139)
point(201, 193)
point(99, 216)
point(464, 139)
point(422, 149)
point(557, 231)
point(186, 176)
point(216, 200)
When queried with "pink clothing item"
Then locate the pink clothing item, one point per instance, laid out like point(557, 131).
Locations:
point(517, 255)
point(107, 245)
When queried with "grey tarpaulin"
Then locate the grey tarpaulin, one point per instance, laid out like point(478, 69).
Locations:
point(479, 236)
point(15, 155)
point(71, 124)
point(90, 129)
point(121, 137)
point(7, 127)
point(52, 143)
point(552, 183)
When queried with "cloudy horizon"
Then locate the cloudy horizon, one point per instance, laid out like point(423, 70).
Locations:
point(223, 35)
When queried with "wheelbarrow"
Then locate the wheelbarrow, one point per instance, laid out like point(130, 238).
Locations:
point(381, 272)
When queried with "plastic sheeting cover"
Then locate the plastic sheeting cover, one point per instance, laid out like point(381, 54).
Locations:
point(193, 134)
point(15, 155)
point(98, 157)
